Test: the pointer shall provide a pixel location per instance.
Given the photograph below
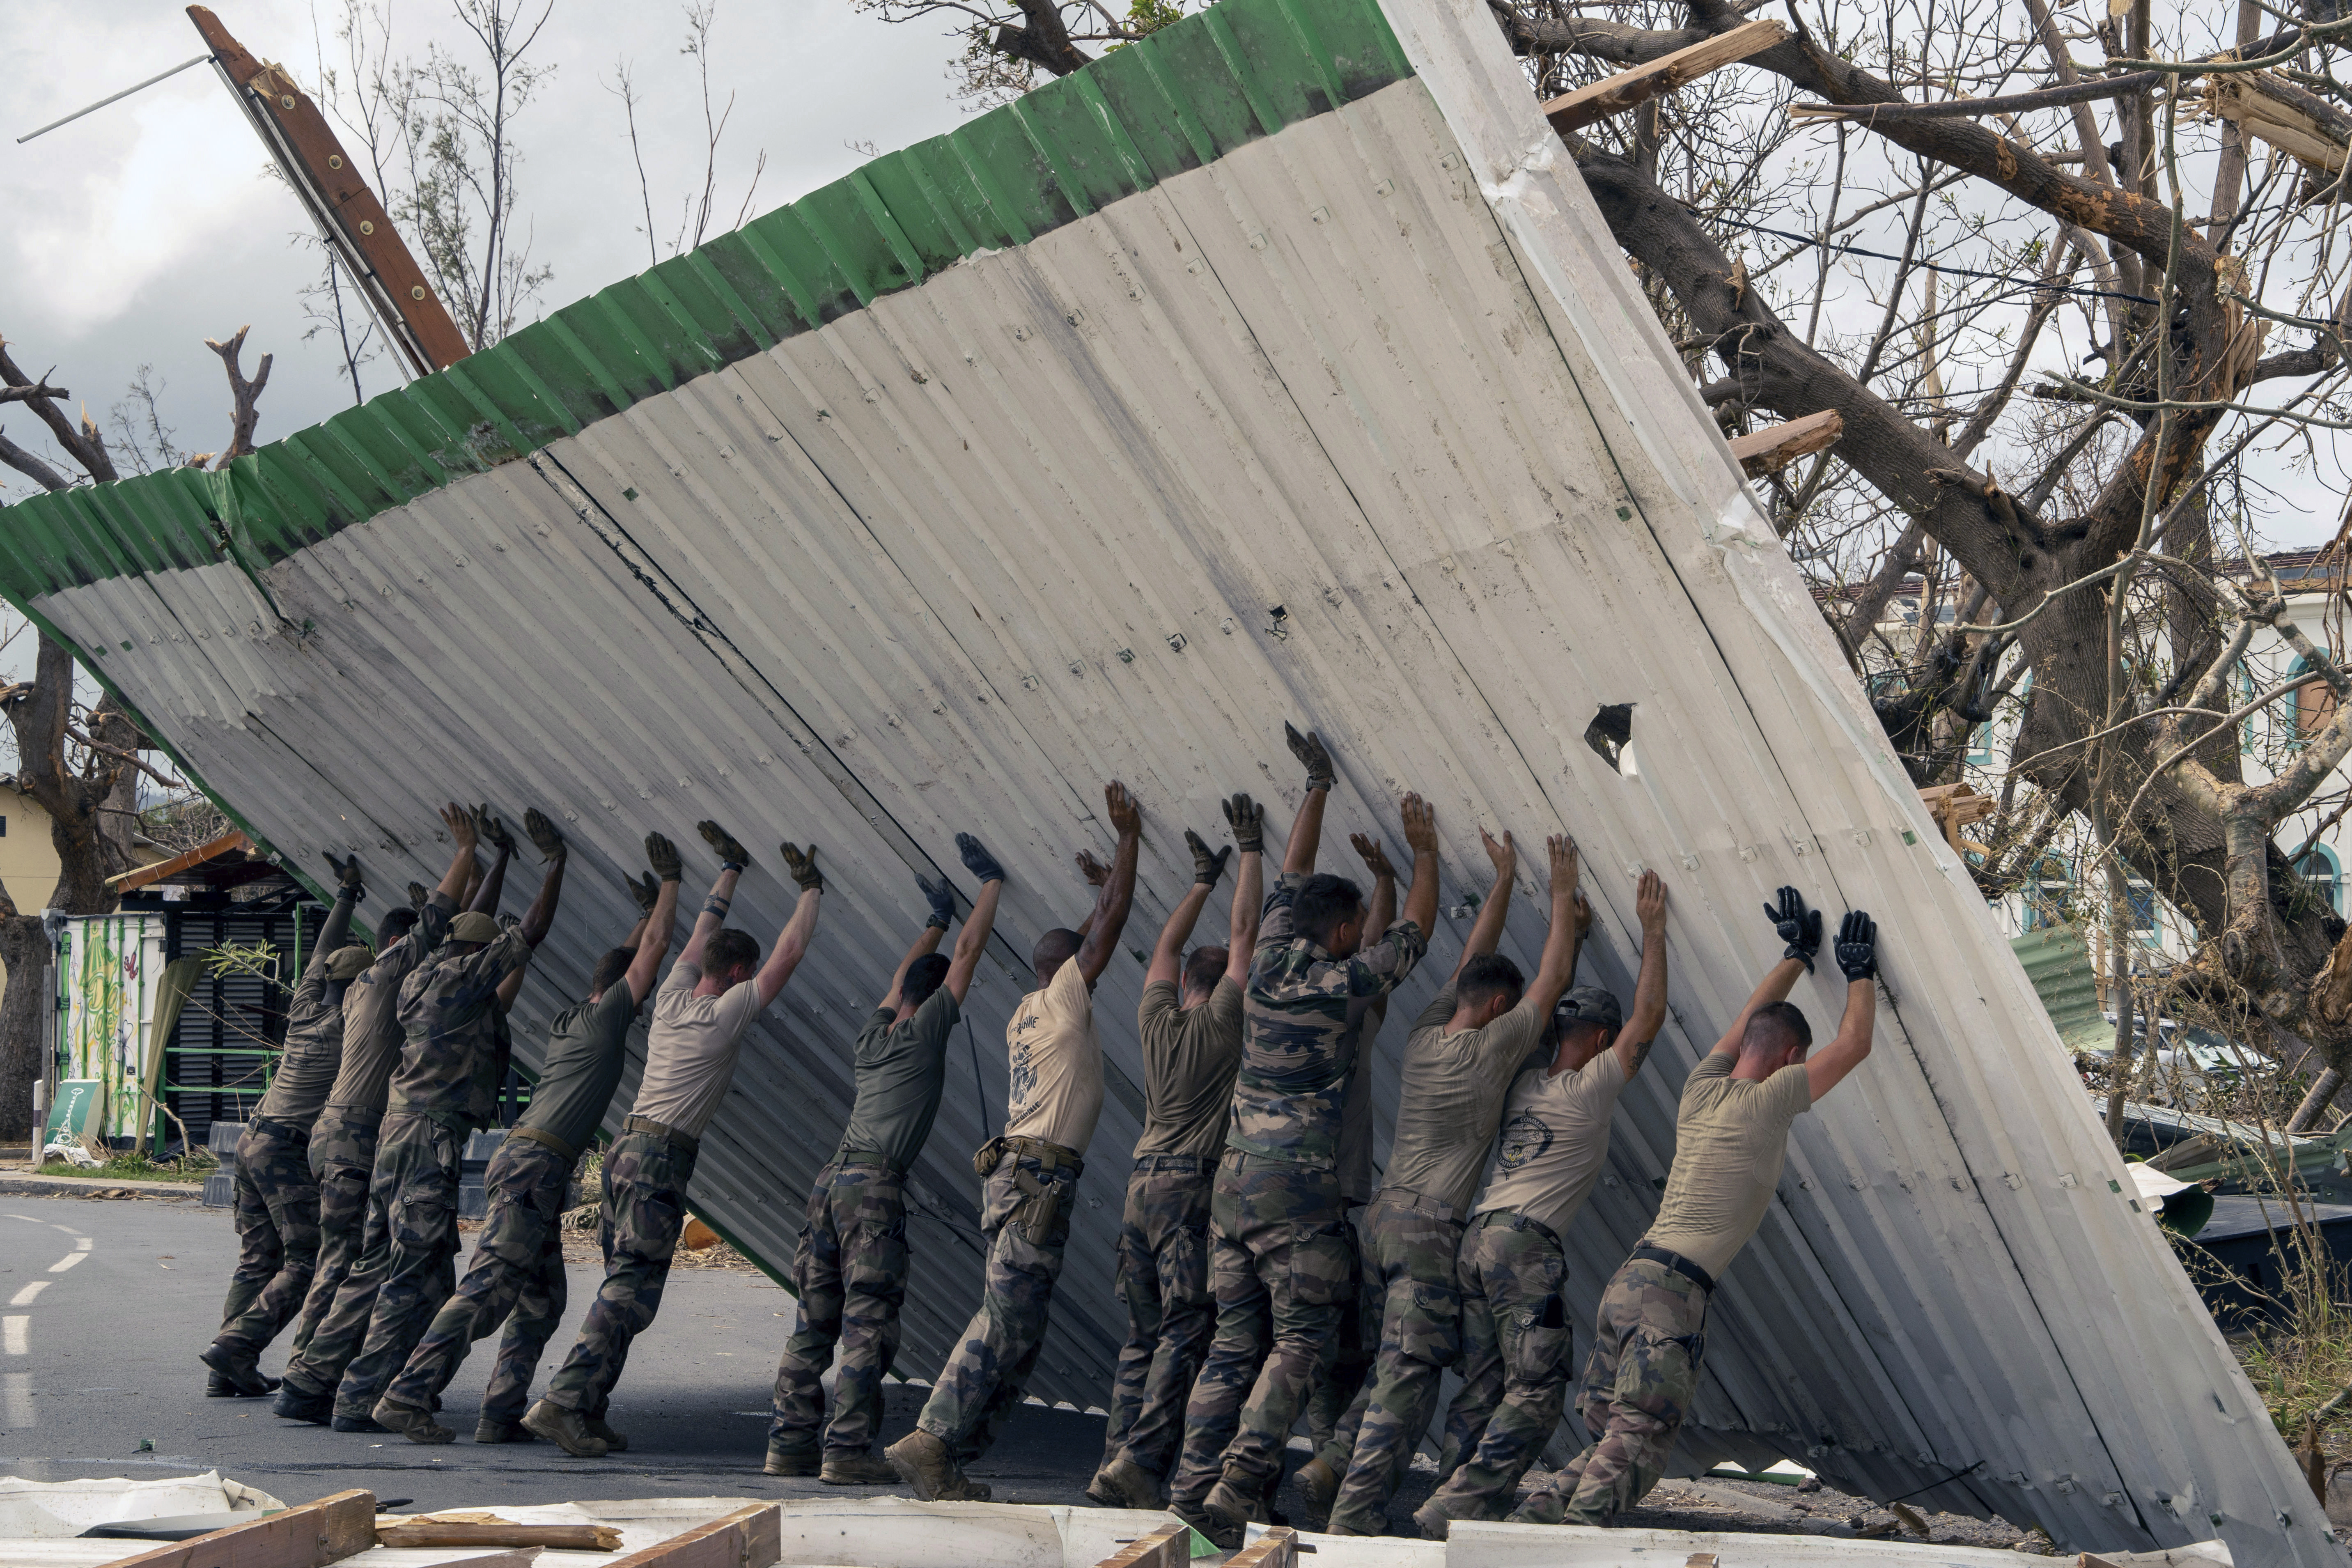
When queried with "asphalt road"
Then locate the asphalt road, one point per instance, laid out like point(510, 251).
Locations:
point(105, 1303)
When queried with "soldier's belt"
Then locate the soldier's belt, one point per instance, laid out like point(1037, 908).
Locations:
point(866, 1157)
point(1667, 1259)
point(1519, 1220)
point(646, 1124)
point(1419, 1203)
point(546, 1139)
point(296, 1136)
point(1052, 1156)
point(1041, 1200)
point(1193, 1164)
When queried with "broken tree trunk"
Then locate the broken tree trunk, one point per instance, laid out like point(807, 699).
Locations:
point(1768, 450)
point(1621, 92)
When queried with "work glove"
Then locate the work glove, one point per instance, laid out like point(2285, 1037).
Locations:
point(1796, 925)
point(644, 892)
point(418, 893)
point(662, 855)
point(1857, 946)
point(1208, 865)
point(348, 877)
point(492, 831)
point(732, 856)
point(1309, 748)
point(1247, 820)
point(803, 867)
point(544, 837)
point(977, 860)
point(941, 895)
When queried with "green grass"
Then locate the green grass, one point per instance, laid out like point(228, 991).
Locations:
point(137, 1167)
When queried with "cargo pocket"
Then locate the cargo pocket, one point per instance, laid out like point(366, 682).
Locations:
point(1321, 1262)
point(1431, 1332)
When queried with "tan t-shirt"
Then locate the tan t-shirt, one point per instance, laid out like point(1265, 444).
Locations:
point(1731, 1139)
point(691, 1047)
point(1555, 1140)
point(1353, 1158)
point(1450, 1097)
point(1056, 1060)
point(1191, 1056)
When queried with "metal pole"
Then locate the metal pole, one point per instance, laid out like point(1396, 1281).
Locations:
point(116, 98)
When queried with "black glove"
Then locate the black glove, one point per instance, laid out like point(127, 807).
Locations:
point(806, 876)
point(544, 837)
point(731, 854)
point(347, 875)
point(491, 831)
point(1246, 818)
point(418, 893)
point(978, 861)
point(1208, 865)
point(1858, 945)
point(1309, 748)
point(644, 892)
point(941, 894)
point(1798, 926)
point(662, 855)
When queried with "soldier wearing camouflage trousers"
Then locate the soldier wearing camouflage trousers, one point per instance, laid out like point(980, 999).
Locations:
point(715, 990)
point(517, 1278)
point(1030, 1175)
point(354, 1241)
point(1515, 1337)
point(1731, 1138)
point(1279, 1250)
point(1192, 1049)
point(1463, 1051)
point(452, 1064)
point(850, 1269)
point(277, 1196)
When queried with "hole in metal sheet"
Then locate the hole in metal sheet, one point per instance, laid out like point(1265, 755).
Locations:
point(1610, 736)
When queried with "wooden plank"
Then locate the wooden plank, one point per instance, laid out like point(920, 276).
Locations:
point(1768, 450)
point(327, 1531)
point(330, 173)
point(1278, 1547)
point(1616, 94)
point(1170, 1547)
point(487, 1529)
point(751, 1537)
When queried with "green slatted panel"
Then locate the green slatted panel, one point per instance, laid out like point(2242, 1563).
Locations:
point(1187, 95)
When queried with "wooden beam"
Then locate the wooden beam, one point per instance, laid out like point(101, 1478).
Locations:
point(310, 1536)
point(1768, 450)
point(1621, 92)
point(1169, 1547)
point(476, 1528)
point(323, 175)
point(155, 871)
point(751, 1537)
point(1278, 1547)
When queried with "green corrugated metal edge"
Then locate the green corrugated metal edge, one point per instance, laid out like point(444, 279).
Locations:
point(1184, 96)
point(2057, 961)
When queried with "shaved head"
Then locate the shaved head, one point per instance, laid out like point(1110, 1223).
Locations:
point(1055, 949)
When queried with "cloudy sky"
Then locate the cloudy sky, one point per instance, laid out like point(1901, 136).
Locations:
point(132, 236)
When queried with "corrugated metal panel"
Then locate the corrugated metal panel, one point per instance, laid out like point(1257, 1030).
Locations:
point(2057, 962)
point(1363, 424)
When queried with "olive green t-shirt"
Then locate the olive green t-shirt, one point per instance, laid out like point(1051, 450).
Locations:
point(1190, 1056)
point(585, 1047)
point(901, 1070)
point(1450, 1097)
point(1731, 1138)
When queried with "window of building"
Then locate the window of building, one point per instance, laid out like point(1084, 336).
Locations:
point(2315, 701)
point(2049, 895)
point(2323, 876)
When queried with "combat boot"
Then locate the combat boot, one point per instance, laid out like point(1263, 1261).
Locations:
point(1432, 1519)
point(565, 1428)
point(848, 1468)
point(923, 1462)
point(239, 1366)
point(490, 1429)
point(792, 1461)
point(1123, 1483)
point(293, 1404)
point(1225, 1534)
point(416, 1425)
point(1231, 1502)
point(358, 1423)
point(1318, 1487)
point(614, 1442)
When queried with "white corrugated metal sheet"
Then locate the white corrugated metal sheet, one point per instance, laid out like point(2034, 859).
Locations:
point(1363, 424)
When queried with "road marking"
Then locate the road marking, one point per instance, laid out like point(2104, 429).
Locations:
point(25, 1297)
point(15, 1399)
point(14, 1339)
point(68, 1261)
point(82, 1243)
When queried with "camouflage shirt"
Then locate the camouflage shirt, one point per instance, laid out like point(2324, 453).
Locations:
point(370, 1006)
point(314, 1031)
point(1301, 1020)
point(452, 1063)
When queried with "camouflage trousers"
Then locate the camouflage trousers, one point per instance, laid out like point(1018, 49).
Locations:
point(1515, 1344)
point(1639, 1383)
point(1278, 1263)
point(1411, 1244)
point(645, 1176)
point(1163, 1277)
point(409, 1156)
point(277, 1234)
point(415, 1186)
point(516, 1278)
point(1346, 1361)
point(850, 1273)
point(342, 1158)
point(982, 1382)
